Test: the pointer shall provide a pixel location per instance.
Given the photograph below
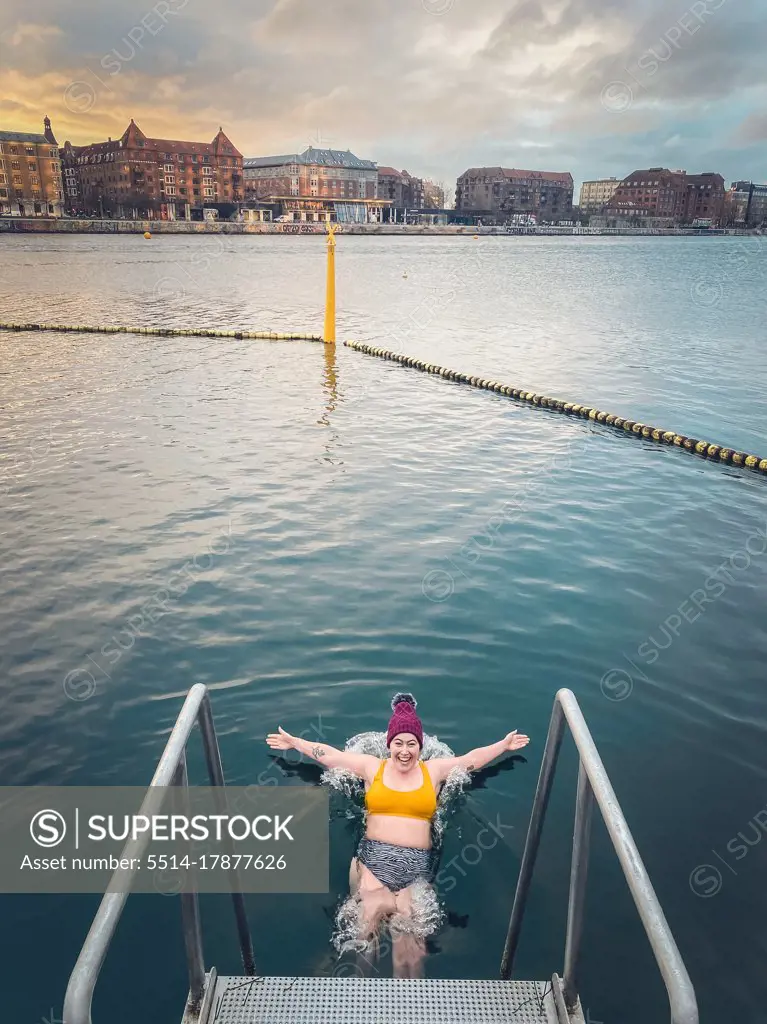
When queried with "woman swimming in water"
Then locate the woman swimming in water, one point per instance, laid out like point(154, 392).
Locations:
point(401, 800)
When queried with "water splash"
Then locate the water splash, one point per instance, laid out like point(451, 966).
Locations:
point(424, 919)
point(426, 914)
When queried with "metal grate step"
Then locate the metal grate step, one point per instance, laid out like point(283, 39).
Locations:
point(238, 1000)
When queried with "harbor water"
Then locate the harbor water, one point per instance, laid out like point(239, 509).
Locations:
point(307, 530)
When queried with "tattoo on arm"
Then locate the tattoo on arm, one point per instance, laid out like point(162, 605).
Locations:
point(318, 752)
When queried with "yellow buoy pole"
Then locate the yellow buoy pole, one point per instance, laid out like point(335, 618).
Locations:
point(330, 290)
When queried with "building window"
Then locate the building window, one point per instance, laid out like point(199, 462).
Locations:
point(170, 190)
point(207, 191)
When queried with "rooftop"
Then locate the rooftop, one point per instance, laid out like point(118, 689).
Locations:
point(33, 137)
point(513, 172)
point(322, 157)
point(133, 138)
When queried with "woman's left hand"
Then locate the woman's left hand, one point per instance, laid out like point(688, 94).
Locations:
point(516, 740)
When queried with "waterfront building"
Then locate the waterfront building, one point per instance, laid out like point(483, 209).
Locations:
point(138, 176)
point(746, 205)
point(596, 194)
point(704, 199)
point(496, 194)
point(659, 197)
point(403, 191)
point(315, 184)
point(70, 171)
point(736, 204)
point(757, 215)
point(30, 174)
point(656, 194)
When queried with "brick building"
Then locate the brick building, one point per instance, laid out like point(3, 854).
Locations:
point(704, 198)
point(136, 176)
point(658, 196)
point(656, 193)
point(30, 174)
point(496, 194)
point(316, 183)
point(596, 194)
point(70, 171)
point(402, 190)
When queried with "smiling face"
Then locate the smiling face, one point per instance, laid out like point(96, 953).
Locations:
point(404, 750)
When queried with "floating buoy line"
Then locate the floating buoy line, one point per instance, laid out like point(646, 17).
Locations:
point(164, 332)
point(715, 452)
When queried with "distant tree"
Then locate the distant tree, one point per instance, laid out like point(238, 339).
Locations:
point(434, 194)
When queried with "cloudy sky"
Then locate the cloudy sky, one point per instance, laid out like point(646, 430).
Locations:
point(596, 87)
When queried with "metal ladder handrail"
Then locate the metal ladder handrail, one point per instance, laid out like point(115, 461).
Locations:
point(594, 783)
point(171, 770)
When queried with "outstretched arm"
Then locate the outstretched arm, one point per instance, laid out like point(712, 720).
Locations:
point(440, 768)
point(363, 765)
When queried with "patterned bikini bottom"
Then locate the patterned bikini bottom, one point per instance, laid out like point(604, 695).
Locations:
point(396, 867)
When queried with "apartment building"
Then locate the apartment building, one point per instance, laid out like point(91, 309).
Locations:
point(497, 194)
point(596, 194)
point(316, 184)
point(136, 175)
point(659, 196)
point(30, 174)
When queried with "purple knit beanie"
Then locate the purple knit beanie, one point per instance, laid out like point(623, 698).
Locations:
point(404, 718)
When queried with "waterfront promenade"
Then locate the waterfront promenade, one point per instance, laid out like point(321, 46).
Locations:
point(77, 226)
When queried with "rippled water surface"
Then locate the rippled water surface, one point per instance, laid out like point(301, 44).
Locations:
point(323, 528)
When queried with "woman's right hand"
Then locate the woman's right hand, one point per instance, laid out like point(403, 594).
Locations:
point(280, 740)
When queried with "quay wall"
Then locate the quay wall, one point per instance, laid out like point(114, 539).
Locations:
point(77, 226)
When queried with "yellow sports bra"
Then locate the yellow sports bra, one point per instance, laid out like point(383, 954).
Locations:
point(415, 803)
